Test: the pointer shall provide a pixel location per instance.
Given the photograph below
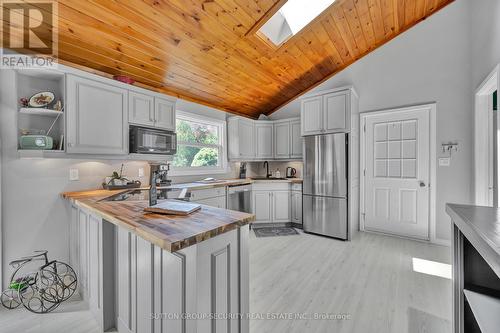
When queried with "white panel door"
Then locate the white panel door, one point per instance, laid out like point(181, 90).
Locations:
point(97, 117)
point(262, 206)
point(311, 114)
point(264, 140)
point(281, 206)
point(335, 112)
point(164, 113)
point(397, 177)
point(246, 138)
point(141, 109)
point(296, 140)
point(282, 140)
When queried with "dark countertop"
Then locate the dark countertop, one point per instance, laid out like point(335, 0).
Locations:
point(481, 226)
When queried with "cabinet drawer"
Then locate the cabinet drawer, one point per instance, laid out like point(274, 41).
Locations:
point(208, 193)
point(297, 187)
point(271, 186)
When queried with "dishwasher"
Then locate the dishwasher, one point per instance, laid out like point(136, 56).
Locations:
point(239, 197)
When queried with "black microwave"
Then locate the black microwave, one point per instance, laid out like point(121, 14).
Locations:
point(144, 140)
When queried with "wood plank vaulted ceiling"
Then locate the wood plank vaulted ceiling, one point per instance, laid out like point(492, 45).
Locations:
point(207, 50)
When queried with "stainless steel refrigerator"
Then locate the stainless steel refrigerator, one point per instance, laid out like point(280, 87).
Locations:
point(325, 185)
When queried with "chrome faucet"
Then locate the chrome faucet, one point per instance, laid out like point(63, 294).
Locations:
point(266, 165)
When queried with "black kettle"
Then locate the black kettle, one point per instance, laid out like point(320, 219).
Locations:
point(290, 172)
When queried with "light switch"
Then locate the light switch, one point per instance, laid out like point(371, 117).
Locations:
point(444, 161)
point(141, 172)
point(73, 174)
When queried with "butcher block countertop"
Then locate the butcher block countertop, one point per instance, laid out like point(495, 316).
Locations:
point(169, 232)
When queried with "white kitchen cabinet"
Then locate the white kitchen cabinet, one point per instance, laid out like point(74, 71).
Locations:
point(141, 109)
point(97, 117)
point(327, 111)
point(282, 139)
point(296, 204)
point(287, 139)
point(336, 112)
point(262, 207)
point(241, 143)
point(264, 140)
point(281, 206)
point(95, 261)
point(164, 113)
point(296, 140)
point(218, 202)
point(311, 112)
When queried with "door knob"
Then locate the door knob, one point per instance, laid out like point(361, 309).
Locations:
point(421, 184)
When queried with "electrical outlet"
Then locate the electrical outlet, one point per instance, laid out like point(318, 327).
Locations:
point(141, 172)
point(73, 174)
point(444, 161)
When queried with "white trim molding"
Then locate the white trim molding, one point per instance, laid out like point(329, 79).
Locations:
point(432, 161)
point(483, 158)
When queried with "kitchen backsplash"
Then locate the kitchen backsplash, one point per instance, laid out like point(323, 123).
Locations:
point(257, 169)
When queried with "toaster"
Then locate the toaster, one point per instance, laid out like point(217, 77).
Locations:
point(42, 142)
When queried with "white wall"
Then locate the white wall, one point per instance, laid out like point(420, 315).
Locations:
point(33, 214)
point(485, 42)
point(428, 63)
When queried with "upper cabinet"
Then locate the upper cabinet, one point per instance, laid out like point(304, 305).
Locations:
point(327, 111)
point(263, 139)
point(241, 134)
point(96, 117)
point(141, 109)
point(287, 139)
point(165, 113)
point(151, 111)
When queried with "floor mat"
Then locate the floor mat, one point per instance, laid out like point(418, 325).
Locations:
point(274, 231)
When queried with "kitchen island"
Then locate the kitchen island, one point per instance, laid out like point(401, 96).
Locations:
point(476, 268)
point(145, 272)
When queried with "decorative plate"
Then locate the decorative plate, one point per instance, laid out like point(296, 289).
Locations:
point(41, 99)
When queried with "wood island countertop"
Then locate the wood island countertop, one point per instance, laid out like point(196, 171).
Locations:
point(170, 232)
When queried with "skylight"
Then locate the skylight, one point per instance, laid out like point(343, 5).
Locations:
point(292, 17)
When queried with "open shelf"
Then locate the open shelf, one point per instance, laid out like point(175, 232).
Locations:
point(29, 153)
point(40, 112)
point(486, 309)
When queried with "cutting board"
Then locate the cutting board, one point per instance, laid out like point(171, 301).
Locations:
point(173, 207)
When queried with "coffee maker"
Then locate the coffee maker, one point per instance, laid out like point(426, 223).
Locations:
point(159, 172)
point(243, 170)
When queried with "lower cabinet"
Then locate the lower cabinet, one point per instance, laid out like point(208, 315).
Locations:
point(271, 205)
point(215, 197)
point(296, 209)
point(136, 287)
point(219, 202)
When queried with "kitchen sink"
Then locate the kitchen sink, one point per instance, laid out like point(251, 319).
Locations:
point(267, 178)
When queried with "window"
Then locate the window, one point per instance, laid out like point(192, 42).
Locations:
point(200, 145)
point(292, 17)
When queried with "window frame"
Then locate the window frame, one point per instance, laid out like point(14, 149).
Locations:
point(206, 170)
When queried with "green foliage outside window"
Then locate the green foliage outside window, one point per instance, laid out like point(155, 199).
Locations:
point(189, 132)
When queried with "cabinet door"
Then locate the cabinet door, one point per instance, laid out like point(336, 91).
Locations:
point(281, 206)
point(296, 207)
point(246, 135)
point(264, 140)
point(218, 202)
point(141, 109)
point(296, 140)
point(311, 114)
point(262, 206)
point(164, 113)
point(83, 228)
point(282, 140)
point(336, 118)
point(96, 117)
